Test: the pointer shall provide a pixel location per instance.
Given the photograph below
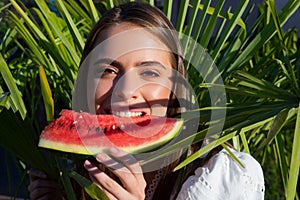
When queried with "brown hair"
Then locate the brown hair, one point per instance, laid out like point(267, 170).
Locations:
point(147, 16)
point(140, 14)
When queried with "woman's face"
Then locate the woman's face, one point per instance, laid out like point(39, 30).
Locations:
point(133, 73)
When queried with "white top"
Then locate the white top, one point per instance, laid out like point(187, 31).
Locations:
point(223, 178)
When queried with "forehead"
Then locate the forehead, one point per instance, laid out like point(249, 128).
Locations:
point(124, 38)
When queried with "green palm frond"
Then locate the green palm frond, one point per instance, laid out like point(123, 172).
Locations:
point(259, 67)
point(15, 96)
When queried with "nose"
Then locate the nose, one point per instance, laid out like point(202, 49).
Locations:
point(126, 87)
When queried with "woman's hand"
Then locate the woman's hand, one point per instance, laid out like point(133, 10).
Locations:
point(41, 187)
point(126, 168)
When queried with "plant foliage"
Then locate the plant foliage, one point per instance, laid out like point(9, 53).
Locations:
point(40, 53)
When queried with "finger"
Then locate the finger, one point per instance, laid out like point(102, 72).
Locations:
point(108, 194)
point(38, 193)
point(131, 181)
point(43, 183)
point(126, 159)
point(47, 197)
point(131, 164)
point(111, 163)
point(35, 173)
point(44, 198)
point(110, 186)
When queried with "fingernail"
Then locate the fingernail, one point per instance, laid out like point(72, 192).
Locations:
point(87, 164)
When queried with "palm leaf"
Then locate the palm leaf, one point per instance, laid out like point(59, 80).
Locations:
point(260, 67)
point(15, 96)
point(295, 162)
point(168, 8)
point(264, 36)
point(73, 28)
point(91, 188)
point(182, 16)
point(3, 99)
point(204, 150)
point(235, 18)
point(47, 95)
point(18, 138)
point(282, 159)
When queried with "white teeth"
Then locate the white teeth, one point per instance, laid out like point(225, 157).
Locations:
point(127, 114)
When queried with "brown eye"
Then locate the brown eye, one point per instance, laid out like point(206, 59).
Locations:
point(109, 73)
point(150, 73)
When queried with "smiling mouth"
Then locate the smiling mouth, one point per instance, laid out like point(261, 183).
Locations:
point(128, 113)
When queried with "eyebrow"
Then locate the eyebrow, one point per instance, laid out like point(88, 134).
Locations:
point(152, 63)
point(117, 64)
point(109, 61)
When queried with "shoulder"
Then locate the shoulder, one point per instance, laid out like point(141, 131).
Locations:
point(224, 178)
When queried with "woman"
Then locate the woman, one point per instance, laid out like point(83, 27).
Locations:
point(131, 60)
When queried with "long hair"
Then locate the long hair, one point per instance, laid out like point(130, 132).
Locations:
point(152, 19)
point(147, 16)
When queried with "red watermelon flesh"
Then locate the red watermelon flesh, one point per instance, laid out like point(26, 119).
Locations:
point(89, 134)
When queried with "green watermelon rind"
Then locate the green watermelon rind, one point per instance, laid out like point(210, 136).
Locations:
point(178, 125)
point(61, 146)
point(93, 150)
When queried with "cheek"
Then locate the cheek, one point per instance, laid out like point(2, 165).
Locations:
point(103, 91)
point(157, 99)
point(154, 94)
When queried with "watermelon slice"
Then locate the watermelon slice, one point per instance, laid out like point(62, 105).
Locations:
point(88, 134)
